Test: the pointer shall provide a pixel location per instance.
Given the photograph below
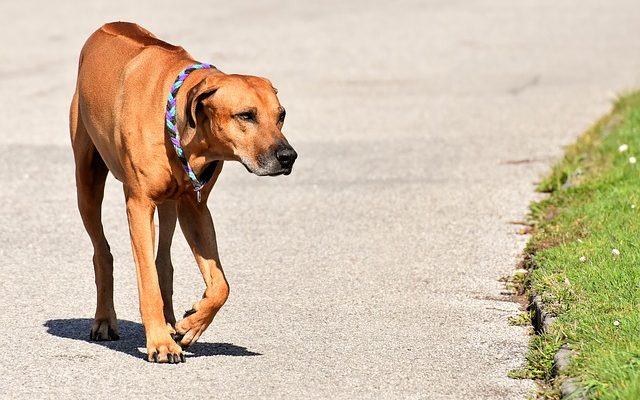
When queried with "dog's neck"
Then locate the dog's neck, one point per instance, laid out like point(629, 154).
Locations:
point(194, 141)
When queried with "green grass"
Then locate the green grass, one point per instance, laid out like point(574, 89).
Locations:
point(594, 207)
point(522, 319)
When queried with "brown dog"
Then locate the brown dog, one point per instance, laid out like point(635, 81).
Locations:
point(117, 123)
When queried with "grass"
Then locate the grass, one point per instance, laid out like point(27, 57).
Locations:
point(522, 319)
point(593, 208)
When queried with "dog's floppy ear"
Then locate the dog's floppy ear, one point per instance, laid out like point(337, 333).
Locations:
point(204, 88)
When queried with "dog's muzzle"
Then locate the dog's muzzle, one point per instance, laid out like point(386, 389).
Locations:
point(278, 161)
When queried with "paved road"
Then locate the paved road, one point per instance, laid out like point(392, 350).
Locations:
point(372, 271)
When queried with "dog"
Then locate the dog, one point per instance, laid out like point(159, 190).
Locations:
point(163, 125)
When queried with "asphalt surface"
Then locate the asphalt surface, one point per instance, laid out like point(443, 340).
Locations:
point(372, 271)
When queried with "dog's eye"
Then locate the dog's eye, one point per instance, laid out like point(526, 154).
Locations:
point(283, 114)
point(248, 116)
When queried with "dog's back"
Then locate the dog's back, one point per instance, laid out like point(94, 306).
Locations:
point(122, 41)
point(136, 34)
point(114, 50)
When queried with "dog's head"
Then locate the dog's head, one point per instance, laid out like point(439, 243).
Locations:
point(241, 119)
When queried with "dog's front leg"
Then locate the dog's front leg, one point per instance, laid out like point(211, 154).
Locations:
point(160, 346)
point(197, 226)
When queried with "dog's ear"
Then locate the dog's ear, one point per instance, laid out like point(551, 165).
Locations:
point(204, 88)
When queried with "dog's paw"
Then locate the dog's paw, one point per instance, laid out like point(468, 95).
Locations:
point(165, 351)
point(104, 329)
point(189, 329)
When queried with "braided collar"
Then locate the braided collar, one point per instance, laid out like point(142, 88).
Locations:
point(170, 120)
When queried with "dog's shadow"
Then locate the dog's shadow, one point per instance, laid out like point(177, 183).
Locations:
point(132, 338)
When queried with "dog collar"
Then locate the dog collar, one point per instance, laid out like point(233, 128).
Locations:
point(172, 126)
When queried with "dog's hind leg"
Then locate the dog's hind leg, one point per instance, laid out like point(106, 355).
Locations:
point(91, 174)
point(167, 217)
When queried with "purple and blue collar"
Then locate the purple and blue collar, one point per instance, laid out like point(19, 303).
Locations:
point(171, 123)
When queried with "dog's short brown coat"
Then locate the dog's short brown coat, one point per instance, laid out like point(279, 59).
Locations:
point(117, 125)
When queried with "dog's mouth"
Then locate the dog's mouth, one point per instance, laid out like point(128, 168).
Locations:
point(246, 167)
point(281, 172)
point(266, 171)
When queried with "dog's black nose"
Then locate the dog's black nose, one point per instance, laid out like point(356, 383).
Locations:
point(286, 155)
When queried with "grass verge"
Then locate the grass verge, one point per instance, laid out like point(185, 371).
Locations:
point(584, 260)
